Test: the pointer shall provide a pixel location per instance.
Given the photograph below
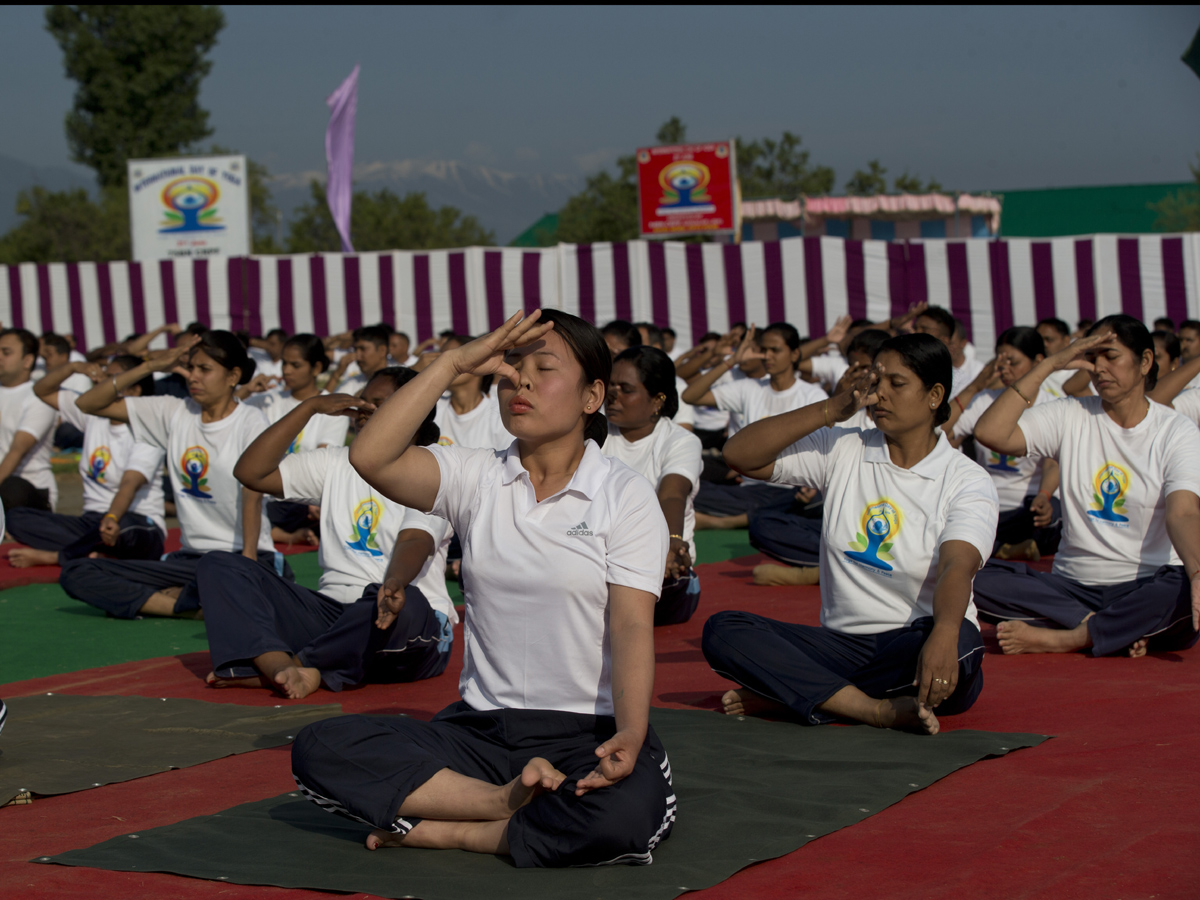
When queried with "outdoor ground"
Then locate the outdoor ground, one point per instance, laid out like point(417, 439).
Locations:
point(1104, 810)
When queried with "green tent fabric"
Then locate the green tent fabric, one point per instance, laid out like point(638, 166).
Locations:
point(748, 790)
point(60, 743)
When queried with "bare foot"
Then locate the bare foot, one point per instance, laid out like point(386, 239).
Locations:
point(212, 679)
point(378, 838)
point(536, 778)
point(1027, 549)
point(1021, 637)
point(299, 536)
point(744, 702)
point(770, 573)
point(296, 682)
point(906, 714)
point(24, 557)
point(705, 522)
point(1138, 648)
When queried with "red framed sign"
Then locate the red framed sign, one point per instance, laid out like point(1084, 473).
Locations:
point(687, 188)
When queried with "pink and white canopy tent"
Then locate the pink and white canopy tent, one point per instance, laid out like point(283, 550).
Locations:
point(693, 288)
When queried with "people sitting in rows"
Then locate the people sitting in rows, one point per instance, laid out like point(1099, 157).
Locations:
point(653, 336)
point(370, 355)
point(1030, 515)
point(26, 428)
point(750, 400)
point(303, 360)
point(203, 437)
point(791, 535)
point(934, 320)
point(57, 351)
point(908, 522)
point(381, 612)
point(267, 353)
point(711, 424)
point(1126, 576)
point(122, 482)
point(549, 757)
point(640, 404)
point(469, 416)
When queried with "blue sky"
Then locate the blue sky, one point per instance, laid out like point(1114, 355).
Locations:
point(1000, 98)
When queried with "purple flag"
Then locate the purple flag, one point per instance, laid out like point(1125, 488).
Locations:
point(339, 154)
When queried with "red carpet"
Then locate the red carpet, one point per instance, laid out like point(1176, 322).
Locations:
point(11, 576)
point(1101, 811)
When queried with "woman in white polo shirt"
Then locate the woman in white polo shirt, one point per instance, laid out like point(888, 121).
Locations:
point(908, 522)
point(1127, 573)
point(381, 612)
point(202, 437)
point(549, 757)
point(747, 401)
point(641, 405)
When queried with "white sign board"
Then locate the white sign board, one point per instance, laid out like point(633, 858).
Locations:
point(189, 207)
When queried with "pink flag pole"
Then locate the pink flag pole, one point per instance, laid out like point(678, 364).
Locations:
point(339, 154)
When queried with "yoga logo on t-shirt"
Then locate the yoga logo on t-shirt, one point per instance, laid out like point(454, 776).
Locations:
point(1111, 483)
point(193, 468)
point(1000, 463)
point(444, 441)
point(294, 446)
point(366, 518)
point(880, 525)
point(98, 464)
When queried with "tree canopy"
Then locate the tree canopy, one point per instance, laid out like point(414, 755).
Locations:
point(1180, 211)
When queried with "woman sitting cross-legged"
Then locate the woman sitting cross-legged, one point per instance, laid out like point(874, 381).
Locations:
point(549, 757)
point(1126, 576)
point(202, 437)
point(908, 521)
point(642, 401)
point(381, 612)
point(122, 484)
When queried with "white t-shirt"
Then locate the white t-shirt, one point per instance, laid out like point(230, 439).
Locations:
point(200, 461)
point(264, 365)
point(883, 526)
point(109, 451)
point(709, 418)
point(1114, 485)
point(1055, 383)
point(359, 528)
point(667, 450)
point(352, 384)
point(750, 400)
point(687, 413)
point(21, 410)
point(964, 375)
point(479, 428)
point(321, 430)
point(537, 574)
point(1187, 404)
point(828, 368)
point(1015, 477)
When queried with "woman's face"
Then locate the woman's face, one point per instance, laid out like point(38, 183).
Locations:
point(1012, 365)
point(1118, 371)
point(903, 403)
point(780, 357)
point(376, 392)
point(551, 398)
point(1165, 363)
point(629, 403)
point(208, 381)
point(298, 373)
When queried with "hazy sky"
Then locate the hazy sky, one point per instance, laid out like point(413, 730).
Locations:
point(998, 98)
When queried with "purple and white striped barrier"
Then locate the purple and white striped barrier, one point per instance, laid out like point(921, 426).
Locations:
point(693, 288)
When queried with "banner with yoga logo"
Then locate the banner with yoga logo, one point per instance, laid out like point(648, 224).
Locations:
point(692, 288)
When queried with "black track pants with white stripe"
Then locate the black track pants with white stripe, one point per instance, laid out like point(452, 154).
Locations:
point(365, 766)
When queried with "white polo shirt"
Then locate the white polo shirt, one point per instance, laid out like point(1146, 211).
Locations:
point(109, 451)
point(883, 526)
point(21, 410)
point(964, 375)
point(1187, 404)
point(686, 414)
point(537, 574)
point(480, 428)
point(1114, 485)
point(828, 368)
point(321, 430)
point(667, 450)
point(200, 461)
point(359, 528)
point(1015, 477)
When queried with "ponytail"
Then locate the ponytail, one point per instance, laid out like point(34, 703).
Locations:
point(596, 429)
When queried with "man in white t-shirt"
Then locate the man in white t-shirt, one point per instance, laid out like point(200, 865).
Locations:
point(381, 611)
point(1189, 346)
point(371, 355)
point(122, 484)
point(26, 428)
point(947, 329)
point(267, 353)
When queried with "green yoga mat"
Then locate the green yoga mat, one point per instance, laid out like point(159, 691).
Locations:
point(60, 743)
point(748, 790)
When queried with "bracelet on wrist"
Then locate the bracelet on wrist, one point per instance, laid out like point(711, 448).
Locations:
point(1017, 391)
point(111, 516)
point(1049, 496)
point(677, 537)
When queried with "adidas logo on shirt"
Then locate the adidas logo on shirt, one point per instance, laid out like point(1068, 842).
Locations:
point(580, 530)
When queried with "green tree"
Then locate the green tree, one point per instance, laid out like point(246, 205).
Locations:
point(264, 215)
point(384, 221)
point(1180, 211)
point(868, 183)
point(138, 71)
point(911, 184)
point(68, 226)
point(769, 168)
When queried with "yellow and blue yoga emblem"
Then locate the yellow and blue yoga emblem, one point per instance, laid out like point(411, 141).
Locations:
point(366, 522)
point(294, 446)
point(1002, 462)
point(98, 464)
point(1109, 486)
point(872, 545)
point(193, 468)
